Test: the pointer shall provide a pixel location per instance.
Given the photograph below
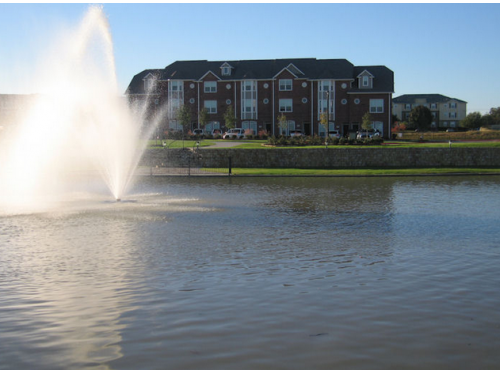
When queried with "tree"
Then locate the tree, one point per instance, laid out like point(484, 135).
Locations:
point(203, 117)
point(229, 118)
point(282, 123)
point(366, 122)
point(495, 115)
point(472, 120)
point(184, 116)
point(420, 118)
point(324, 120)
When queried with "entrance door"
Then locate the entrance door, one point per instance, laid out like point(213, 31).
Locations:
point(307, 128)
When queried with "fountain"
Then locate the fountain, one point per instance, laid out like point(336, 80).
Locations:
point(79, 123)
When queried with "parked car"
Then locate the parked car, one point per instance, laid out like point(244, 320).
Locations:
point(296, 133)
point(370, 134)
point(198, 132)
point(232, 133)
point(334, 134)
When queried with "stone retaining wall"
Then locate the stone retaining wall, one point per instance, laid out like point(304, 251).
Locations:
point(355, 157)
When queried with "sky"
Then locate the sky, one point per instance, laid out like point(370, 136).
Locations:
point(449, 48)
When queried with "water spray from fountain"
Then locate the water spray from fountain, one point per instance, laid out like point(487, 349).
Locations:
point(79, 121)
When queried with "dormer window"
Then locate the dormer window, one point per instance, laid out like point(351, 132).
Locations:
point(226, 69)
point(149, 83)
point(365, 80)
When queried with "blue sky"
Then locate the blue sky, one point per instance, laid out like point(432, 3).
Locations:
point(449, 49)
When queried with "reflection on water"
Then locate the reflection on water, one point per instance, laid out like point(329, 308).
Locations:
point(266, 273)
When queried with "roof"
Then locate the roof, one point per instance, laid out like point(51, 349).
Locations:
point(383, 78)
point(430, 98)
point(260, 69)
point(306, 68)
point(137, 83)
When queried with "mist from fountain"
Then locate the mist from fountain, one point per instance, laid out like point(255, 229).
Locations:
point(79, 122)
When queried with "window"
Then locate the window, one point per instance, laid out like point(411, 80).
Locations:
point(453, 105)
point(286, 105)
point(285, 85)
point(149, 84)
point(175, 97)
point(225, 69)
point(408, 106)
point(453, 115)
point(211, 106)
point(376, 105)
point(378, 126)
point(433, 105)
point(210, 86)
point(249, 100)
point(211, 126)
point(326, 99)
point(249, 126)
point(365, 81)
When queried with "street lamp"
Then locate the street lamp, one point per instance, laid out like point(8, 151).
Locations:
point(327, 125)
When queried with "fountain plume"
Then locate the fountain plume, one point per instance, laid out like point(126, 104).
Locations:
point(79, 122)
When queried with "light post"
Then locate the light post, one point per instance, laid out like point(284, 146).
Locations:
point(327, 125)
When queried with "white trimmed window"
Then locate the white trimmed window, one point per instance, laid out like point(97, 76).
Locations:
point(212, 125)
point(376, 105)
point(286, 105)
point(326, 99)
point(210, 86)
point(249, 126)
point(211, 106)
point(249, 100)
point(285, 85)
point(175, 97)
point(365, 81)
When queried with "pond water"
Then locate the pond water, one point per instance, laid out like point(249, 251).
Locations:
point(257, 273)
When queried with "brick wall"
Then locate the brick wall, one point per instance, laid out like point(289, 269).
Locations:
point(355, 157)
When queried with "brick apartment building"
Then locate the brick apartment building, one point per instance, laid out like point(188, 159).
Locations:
point(260, 90)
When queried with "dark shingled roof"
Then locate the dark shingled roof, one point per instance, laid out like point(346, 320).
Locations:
point(431, 98)
point(260, 69)
point(312, 69)
point(383, 80)
point(136, 86)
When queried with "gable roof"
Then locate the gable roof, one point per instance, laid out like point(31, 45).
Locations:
point(383, 79)
point(137, 83)
point(306, 68)
point(430, 98)
point(261, 69)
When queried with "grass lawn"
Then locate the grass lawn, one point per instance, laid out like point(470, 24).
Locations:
point(261, 144)
point(360, 172)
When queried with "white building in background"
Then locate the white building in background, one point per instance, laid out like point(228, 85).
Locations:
point(446, 112)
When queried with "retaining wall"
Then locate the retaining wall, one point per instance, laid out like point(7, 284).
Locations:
point(355, 157)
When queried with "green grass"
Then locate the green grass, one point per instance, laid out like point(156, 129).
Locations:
point(179, 144)
point(359, 172)
point(261, 144)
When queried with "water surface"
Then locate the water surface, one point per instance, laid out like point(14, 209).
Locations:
point(257, 273)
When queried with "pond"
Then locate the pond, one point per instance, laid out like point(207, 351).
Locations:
point(257, 273)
